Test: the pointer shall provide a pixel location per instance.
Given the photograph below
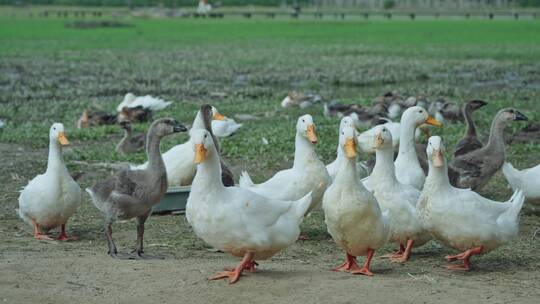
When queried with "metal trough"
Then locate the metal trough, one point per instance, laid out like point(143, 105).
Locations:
point(173, 201)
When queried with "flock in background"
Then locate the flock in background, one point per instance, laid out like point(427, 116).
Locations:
point(408, 194)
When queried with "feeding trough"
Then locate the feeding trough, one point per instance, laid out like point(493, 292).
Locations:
point(173, 201)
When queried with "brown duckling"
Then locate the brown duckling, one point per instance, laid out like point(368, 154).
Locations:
point(132, 193)
point(95, 118)
point(530, 134)
point(474, 169)
point(469, 142)
point(130, 143)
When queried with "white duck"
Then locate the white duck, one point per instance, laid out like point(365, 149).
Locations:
point(235, 220)
point(461, 218)
point(396, 198)
point(179, 159)
point(351, 212)
point(50, 199)
point(365, 138)
point(528, 180)
point(407, 166)
point(225, 127)
point(333, 167)
point(147, 102)
point(308, 173)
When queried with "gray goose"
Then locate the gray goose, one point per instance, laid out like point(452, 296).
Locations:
point(130, 143)
point(474, 169)
point(132, 193)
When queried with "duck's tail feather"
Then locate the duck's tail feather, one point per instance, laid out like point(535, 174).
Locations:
point(245, 180)
point(302, 206)
point(511, 215)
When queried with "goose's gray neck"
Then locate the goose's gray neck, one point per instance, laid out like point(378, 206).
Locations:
point(471, 127)
point(496, 140)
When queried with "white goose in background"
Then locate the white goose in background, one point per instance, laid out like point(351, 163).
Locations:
point(51, 198)
point(333, 167)
point(351, 212)
point(461, 218)
point(396, 198)
point(528, 180)
point(308, 173)
point(407, 166)
point(225, 127)
point(147, 102)
point(236, 220)
point(179, 159)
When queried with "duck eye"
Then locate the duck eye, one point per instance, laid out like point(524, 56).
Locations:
point(205, 135)
point(303, 120)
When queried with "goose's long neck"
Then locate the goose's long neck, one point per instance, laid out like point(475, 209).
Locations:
point(303, 152)
point(496, 140)
point(406, 141)
point(208, 174)
point(384, 165)
point(471, 127)
point(198, 123)
point(155, 161)
point(346, 170)
point(55, 161)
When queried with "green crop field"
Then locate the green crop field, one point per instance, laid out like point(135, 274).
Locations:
point(51, 71)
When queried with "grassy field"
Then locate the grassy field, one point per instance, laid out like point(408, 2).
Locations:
point(50, 72)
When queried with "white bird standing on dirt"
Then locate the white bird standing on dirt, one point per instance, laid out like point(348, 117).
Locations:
point(397, 198)
point(235, 220)
point(50, 199)
point(147, 102)
point(308, 173)
point(461, 218)
point(351, 212)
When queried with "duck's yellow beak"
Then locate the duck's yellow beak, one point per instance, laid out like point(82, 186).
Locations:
point(432, 121)
point(350, 148)
point(379, 141)
point(311, 134)
point(62, 139)
point(438, 159)
point(200, 153)
point(218, 116)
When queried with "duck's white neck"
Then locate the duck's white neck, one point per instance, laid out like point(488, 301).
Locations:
point(406, 141)
point(303, 152)
point(437, 176)
point(384, 166)
point(55, 162)
point(198, 123)
point(346, 170)
point(208, 174)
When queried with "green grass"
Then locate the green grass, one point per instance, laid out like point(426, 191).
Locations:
point(49, 72)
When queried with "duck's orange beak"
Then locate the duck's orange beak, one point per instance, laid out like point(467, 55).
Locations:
point(62, 139)
point(379, 141)
point(200, 153)
point(311, 135)
point(438, 160)
point(432, 121)
point(218, 116)
point(350, 148)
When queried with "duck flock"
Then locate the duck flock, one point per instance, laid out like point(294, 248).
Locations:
point(408, 196)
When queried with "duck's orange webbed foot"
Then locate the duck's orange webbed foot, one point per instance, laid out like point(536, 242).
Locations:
point(249, 267)
point(406, 253)
point(395, 254)
point(64, 237)
point(465, 256)
point(349, 265)
point(233, 275)
point(365, 269)
point(37, 234)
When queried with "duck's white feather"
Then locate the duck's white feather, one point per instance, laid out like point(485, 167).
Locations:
point(528, 180)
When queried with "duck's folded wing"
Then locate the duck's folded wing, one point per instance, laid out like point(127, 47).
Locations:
point(473, 202)
point(256, 208)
